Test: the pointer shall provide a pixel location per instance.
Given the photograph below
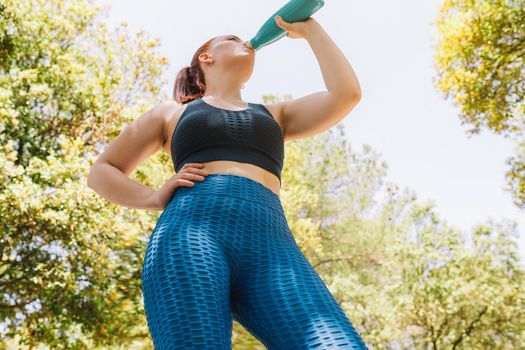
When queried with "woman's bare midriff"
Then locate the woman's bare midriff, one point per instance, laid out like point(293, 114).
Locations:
point(248, 170)
point(251, 171)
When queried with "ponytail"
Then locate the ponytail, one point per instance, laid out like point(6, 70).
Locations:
point(190, 83)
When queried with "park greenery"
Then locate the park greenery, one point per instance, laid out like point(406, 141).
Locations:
point(70, 261)
point(480, 65)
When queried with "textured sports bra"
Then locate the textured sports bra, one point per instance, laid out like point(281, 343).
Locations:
point(205, 132)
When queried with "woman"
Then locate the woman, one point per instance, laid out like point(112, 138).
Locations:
point(222, 249)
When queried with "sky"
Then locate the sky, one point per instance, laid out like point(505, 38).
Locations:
point(401, 115)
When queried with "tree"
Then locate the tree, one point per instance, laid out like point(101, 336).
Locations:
point(480, 65)
point(405, 278)
point(69, 260)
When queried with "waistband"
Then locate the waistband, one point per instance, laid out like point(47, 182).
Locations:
point(233, 186)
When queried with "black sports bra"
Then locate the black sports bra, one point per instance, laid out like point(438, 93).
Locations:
point(205, 132)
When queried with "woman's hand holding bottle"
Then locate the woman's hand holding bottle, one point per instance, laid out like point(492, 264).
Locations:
point(296, 30)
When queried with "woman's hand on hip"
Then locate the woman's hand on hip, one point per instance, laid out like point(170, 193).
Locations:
point(188, 173)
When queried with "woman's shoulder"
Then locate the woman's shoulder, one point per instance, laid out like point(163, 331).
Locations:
point(168, 106)
point(169, 111)
point(276, 110)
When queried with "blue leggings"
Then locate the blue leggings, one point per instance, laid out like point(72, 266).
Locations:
point(222, 250)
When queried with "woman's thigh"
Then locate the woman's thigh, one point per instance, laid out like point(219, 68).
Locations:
point(280, 299)
point(186, 281)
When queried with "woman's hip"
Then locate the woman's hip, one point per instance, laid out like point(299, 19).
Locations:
point(223, 209)
point(235, 186)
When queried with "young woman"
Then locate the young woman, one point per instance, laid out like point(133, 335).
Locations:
point(222, 249)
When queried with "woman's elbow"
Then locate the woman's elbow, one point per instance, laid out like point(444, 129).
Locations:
point(89, 180)
point(92, 176)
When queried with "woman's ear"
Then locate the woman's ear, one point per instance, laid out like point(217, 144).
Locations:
point(205, 58)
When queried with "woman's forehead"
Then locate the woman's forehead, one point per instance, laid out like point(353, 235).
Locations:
point(224, 37)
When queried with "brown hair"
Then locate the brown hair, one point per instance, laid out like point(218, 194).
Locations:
point(190, 83)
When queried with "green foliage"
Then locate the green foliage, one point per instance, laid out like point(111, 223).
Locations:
point(70, 261)
point(405, 278)
point(480, 65)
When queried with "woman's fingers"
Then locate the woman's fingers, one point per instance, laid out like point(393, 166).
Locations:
point(193, 176)
point(280, 22)
point(190, 172)
point(193, 171)
point(183, 182)
point(297, 29)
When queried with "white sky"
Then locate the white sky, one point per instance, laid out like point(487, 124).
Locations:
point(401, 114)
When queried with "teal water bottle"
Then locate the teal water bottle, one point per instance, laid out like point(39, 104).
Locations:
point(293, 11)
